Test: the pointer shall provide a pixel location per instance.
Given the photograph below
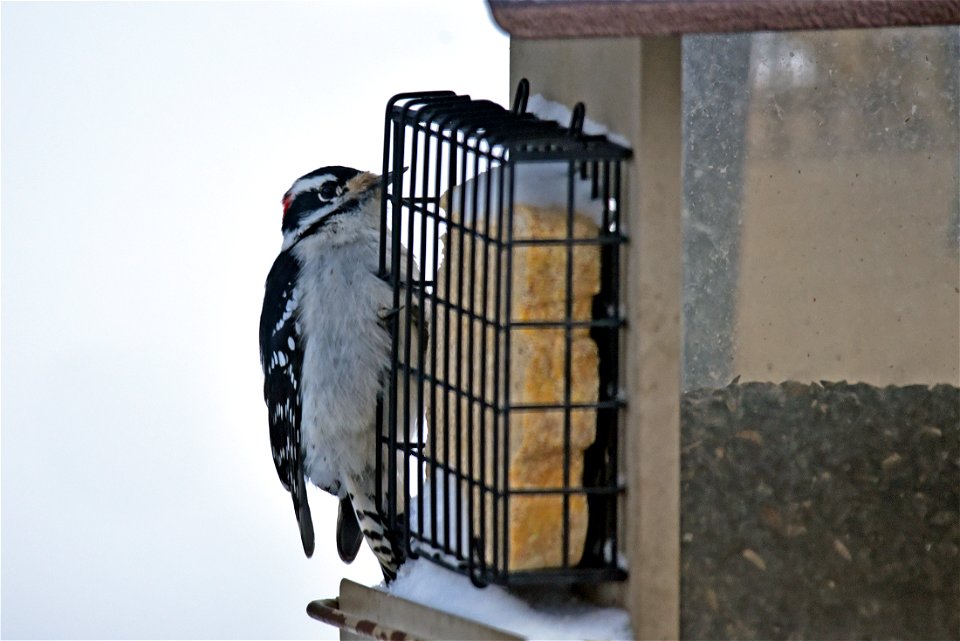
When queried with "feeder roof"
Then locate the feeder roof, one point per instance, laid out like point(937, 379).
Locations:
point(613, 18)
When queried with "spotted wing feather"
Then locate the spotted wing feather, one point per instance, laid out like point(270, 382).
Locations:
point(281, 357)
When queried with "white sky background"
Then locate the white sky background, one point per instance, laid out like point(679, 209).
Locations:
point(145, 148)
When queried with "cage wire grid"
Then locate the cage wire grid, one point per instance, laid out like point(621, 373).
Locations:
point(434, 143)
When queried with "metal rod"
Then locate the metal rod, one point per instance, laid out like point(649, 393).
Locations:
point(409, 320)
point(508, 278)
point(475, 539)
point(498, 417)
point(485, 298)
point(434, 330)
point(614, 458)
point(422, 329)
point(515, 407)
point(397, 186)
point(568, 364)
point(458, 432)
point(451, 183)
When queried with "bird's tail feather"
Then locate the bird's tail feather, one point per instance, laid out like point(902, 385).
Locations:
point(349, 535)
point(374, 531)
point(304, 520)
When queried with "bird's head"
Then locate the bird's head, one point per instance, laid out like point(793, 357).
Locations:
point(322, 193)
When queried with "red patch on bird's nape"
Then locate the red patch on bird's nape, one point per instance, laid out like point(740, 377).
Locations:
point(287, 201)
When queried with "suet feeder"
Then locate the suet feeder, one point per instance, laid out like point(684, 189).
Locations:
point(515, 222)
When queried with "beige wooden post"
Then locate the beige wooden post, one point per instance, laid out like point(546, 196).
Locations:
point(633, 86)
point(652, 436)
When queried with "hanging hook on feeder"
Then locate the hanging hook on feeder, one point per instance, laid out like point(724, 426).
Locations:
point(520, 98)
point(576, 130)
point(576, 120)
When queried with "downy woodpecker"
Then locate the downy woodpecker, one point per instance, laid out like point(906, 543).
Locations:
point(325, 353)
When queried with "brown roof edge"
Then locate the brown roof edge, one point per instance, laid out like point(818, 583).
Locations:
point(610, 18)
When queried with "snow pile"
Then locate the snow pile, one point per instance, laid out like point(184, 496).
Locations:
point(538, 184)
point(552, 614)
point(542, 184)
point(549, 110)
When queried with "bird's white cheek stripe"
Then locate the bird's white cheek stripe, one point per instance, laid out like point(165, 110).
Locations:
point(306, 184)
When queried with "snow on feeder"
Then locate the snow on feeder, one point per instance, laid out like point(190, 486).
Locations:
point(515, 224)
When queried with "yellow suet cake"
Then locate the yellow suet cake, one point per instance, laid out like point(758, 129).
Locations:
point(535, 449)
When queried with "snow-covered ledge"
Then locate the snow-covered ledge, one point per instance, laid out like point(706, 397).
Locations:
point(429, 602)
point(362, 612)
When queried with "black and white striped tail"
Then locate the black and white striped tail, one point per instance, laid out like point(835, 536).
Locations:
point(380, 541)
point(302, 509)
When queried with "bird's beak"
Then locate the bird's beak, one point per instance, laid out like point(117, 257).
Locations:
point(368, 180)
point(362, 182)
point(390, 174)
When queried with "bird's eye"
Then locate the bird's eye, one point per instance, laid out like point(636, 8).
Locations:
point(329, 191)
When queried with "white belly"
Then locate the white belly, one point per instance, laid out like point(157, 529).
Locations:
point(346, 351)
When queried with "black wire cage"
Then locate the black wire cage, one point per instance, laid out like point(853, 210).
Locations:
point(501, 238)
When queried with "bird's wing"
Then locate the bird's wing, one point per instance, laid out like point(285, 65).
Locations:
point(281, 357)
point(349, 535)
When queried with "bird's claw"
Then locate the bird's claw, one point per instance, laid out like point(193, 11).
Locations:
point(386, 314)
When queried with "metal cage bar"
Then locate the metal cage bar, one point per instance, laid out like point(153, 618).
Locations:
point(460, 444)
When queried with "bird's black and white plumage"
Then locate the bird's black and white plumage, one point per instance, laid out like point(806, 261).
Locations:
point(325, 349)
